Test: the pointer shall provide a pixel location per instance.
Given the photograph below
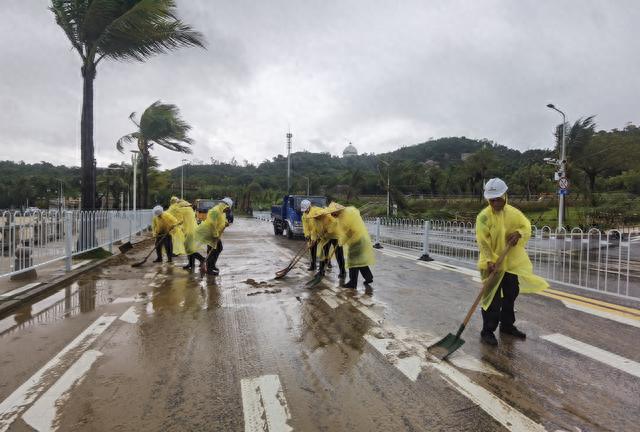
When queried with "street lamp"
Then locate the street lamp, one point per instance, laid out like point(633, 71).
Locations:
point(134, 162)
point(305, 177)
point(388, 185)
point(182, 178)
point(562, 165)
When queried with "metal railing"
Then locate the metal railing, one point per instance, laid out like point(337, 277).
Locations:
point(605, 262)
point(262, 216)
point(33, 239)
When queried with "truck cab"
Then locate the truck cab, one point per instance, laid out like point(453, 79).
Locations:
point(287, 218)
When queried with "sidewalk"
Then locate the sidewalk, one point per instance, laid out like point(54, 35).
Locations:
point(14, 292)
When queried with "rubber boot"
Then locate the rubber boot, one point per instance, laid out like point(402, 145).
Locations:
point(353, 279)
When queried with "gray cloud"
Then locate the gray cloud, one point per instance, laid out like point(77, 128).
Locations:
point(376, 73)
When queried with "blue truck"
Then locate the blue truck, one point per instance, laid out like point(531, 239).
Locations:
point(287, 218)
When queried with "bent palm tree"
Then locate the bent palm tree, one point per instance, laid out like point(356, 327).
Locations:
point(160, 124)
point(129, 30)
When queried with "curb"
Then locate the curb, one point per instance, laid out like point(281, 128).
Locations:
point(15, 302)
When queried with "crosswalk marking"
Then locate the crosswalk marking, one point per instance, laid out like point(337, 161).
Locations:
point(130, 315)
point(42, 414)
point(23, 396)
point(629, 366)
point(264, 405)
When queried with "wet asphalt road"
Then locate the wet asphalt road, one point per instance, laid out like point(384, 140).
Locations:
point(167, 350)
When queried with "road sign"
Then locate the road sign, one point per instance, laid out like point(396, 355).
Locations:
point(563, 183)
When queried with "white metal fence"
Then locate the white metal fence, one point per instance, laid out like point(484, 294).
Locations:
point(32, 239)
point(606, 262)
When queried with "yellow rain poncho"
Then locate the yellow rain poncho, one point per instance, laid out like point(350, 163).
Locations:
point(211, 229)
point(354, 237)
point(184, 241)
point(163, 224)
point(492, 229)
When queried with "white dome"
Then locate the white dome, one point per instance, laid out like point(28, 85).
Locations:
point(350, 150)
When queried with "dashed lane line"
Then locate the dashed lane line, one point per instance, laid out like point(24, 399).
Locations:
point(618, 362)
point(603, 313)
point(130, 316)
point(413, 358)
point(264, 405)
point(42, 416)
point(18, 401)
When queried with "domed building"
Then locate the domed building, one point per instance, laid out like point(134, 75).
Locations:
point(350, 150)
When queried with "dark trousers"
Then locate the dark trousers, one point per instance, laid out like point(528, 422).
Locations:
point(339, 254)
point(168, 247)
point(366, 274)
point(213, 255)
point(314, 252)
point(501, 308)
point(193, 257)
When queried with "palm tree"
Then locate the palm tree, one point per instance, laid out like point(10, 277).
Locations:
point(126, 30)
point(160, 124)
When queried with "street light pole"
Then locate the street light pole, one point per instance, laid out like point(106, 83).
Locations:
point(388, 186)
point(134, 161)
point(562, 164)
point(307, 184)
point(182, 179)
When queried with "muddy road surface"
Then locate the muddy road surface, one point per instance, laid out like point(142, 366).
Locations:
point(158, 348)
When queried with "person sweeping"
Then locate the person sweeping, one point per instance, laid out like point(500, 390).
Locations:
point(497, 226)
point(183, 212)
point(308, 228)
point(328, 232)
point(163, 227)
point(210, 231)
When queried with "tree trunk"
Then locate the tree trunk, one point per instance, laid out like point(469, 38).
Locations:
point(145, 179)
point(592, 188)
point(88, 172)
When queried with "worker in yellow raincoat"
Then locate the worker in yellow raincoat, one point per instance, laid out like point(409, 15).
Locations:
point(354, 237)
point(163, 225)
point(328, 235)
point(177, 235)
point(497, 225)
point(186, 216)
point(309, 230)
point(210, 231)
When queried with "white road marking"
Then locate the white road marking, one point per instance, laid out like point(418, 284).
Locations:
point(24, 395)
point(42, 414)
point(629, 366)
point(602, 314)
point(150, 275)
point(331, 301)
point(20, 290)
point(264, 405)
point(128, 300)
point(410, 366)
point(80, 264)
point(130, 315)
point(509, 417)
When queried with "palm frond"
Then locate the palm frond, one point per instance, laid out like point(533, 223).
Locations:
point(69, 16)
point(148, 27)
point(127, 139)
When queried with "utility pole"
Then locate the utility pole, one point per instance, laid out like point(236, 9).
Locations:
point(182, 179)
point(289, 136)
point(562, 170)
point(134, 161)
point(388, 186)
point(305, 177)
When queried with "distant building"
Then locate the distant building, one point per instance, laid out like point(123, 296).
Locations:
point(430, 163)
point(350, 150)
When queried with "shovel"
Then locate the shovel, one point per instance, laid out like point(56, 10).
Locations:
point(303, 250)
point(318, 277)
point(125, 247)
point(203, 266)
point(450, 343)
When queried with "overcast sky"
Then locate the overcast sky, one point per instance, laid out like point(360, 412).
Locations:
point(381, 74)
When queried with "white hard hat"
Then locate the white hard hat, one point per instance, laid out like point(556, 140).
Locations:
point(228, 201)
point(495, 188)
point(157, 210)
point(305, 204)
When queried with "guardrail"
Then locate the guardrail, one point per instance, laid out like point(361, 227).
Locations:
point(262, 216)
point(605, 262)
point(33, 239)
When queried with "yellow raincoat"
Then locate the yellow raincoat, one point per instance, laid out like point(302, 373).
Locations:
point(492, 229)
point(184, 242)
point(211, 229)
point(325, 228)
point(354, 237)
point(163, 224)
